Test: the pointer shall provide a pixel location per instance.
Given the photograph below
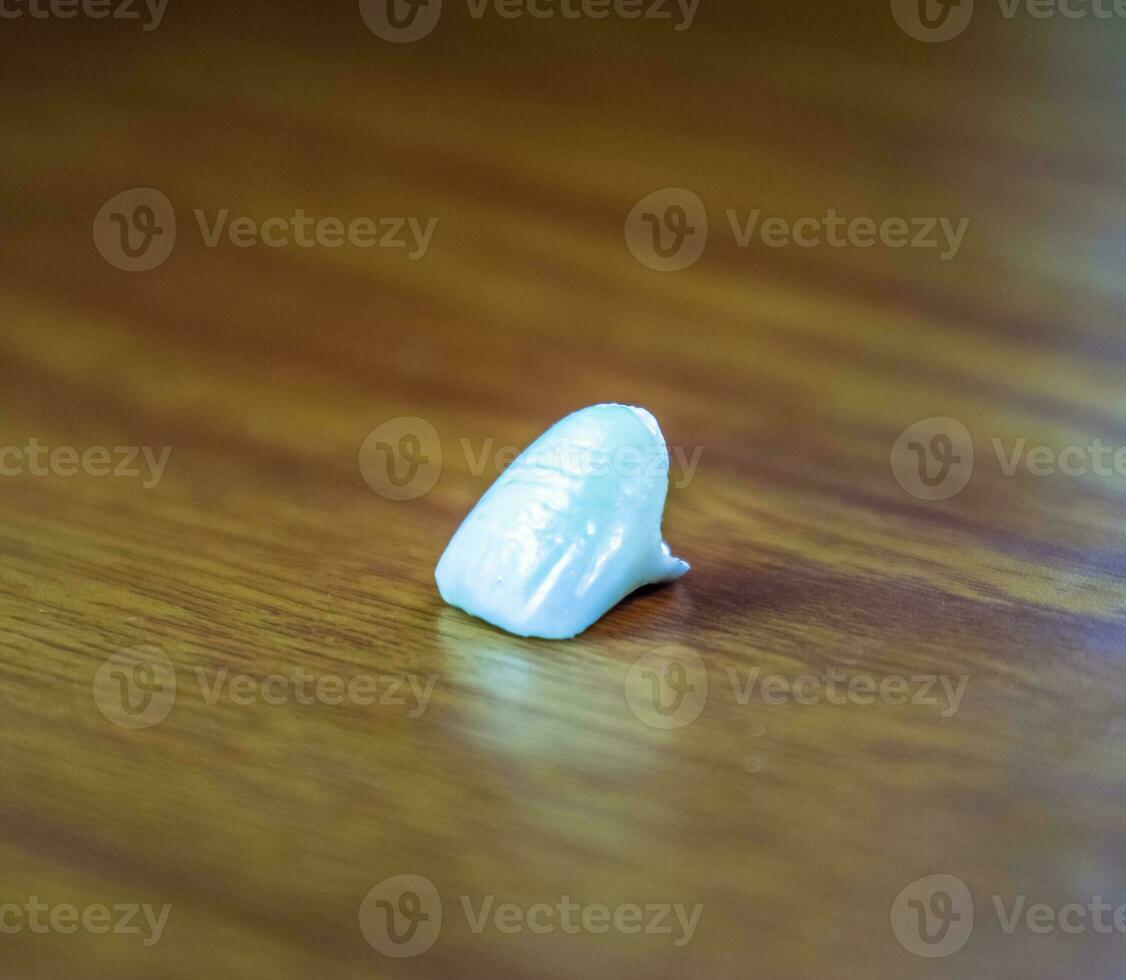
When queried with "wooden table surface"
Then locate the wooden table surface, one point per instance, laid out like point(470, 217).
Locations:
point(260, 556)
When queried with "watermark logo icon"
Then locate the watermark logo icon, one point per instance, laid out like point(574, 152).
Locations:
point(668, 687)
point(401, 21)
point(136, 688)
point(668, 230)
point(933, 916)
point(402, 916)
point(933, 459)
point(402, 458)
point(932, 21)
point(135, 230)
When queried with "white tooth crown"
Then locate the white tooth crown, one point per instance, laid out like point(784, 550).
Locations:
point(568, 530)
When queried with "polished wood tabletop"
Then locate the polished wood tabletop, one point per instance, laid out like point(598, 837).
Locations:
point(283, 289)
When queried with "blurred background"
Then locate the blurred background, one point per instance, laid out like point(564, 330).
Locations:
point(859, 259)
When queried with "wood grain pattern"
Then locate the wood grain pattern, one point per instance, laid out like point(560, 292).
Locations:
point(262, 551)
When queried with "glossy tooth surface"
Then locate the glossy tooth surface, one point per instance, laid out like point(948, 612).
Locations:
point(568, 530)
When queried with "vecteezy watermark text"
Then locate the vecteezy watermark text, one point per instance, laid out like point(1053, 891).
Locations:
point(120, 919)
point(836, 231)
point(137, 687)
point(668, 687)
point(306, 232)
point(934, 21)
point(136, 230)
point(401, 459)
point(402, 917)
point(668, 230)
point(403, 21)
point(90, 9)
point(838, 687)
point(933, 459)
point(681, 13)
point(36, 459)
point(584, 460)
point(300, 687)
point(933, 916)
